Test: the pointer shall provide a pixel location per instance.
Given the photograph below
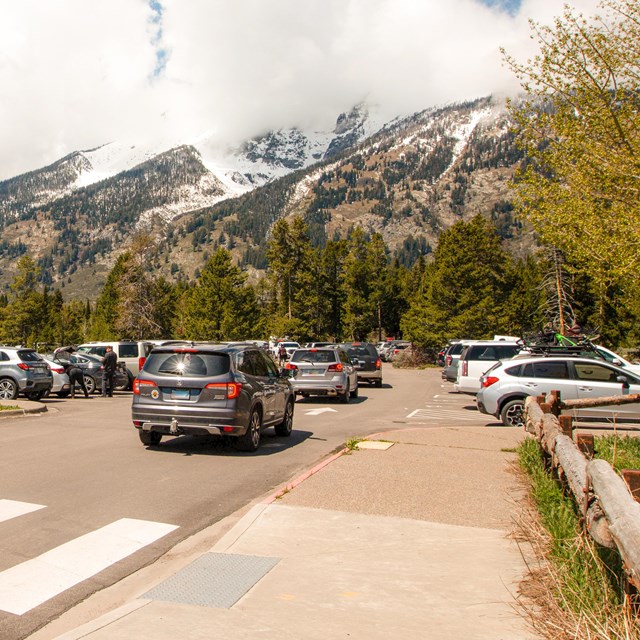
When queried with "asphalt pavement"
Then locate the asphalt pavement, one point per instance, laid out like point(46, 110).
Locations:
point(406, 536)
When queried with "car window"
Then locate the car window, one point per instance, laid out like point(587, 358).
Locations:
point(512, 371)
point(491, 352)
point(311, 355)
point(595, 372)
point(128, 350)
point(4, 356)
point(98, 351)
point(258, 364)
point(359, 351)
point(547, 369)
point(187, 364)
point(344, 358)
point(29, 356)
point(271, 366)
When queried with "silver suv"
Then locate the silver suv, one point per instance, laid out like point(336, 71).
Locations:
point(232, 390)
point(323, 372)
point(23, 371)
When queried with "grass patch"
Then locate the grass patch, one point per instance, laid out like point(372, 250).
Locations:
point(8, 408)
point(577, 592)
point(352, 443)
point(621, 452)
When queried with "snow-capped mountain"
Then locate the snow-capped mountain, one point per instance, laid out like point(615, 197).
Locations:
point(407, 179)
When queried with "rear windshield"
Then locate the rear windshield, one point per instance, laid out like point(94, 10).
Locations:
point(492, 352)
point(312, 355)
point(180, 363)
point(363, 350)
point(98, 351)
point(455, 349)
point(29, 356)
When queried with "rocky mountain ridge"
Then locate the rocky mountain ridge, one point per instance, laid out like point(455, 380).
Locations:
point(408, 179)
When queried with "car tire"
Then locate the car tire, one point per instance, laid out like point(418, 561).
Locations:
point(512, 413)
point(354, 393)
point(378, 383)
point(344, 397)
point(149, 438)
point(285, 427)
point(34, 395)
point(90, 383)
point(8, 389)
point(250, 440)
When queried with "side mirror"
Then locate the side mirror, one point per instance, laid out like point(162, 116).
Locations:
point(624, 380)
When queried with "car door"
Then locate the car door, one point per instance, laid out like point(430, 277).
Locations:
point(349, 368)
point(260, 371)
point(543, 376)
point(597, 380)
point(279, 385)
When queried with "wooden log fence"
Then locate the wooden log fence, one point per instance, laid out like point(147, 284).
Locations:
point(610, 513)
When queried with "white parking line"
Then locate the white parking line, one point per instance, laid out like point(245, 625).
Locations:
point(439, 412)
point(35, 581)
point(13, 509)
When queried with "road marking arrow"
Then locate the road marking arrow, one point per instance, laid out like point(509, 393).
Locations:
point(317, 412)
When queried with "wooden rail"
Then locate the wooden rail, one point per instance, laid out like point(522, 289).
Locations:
point(610, 514)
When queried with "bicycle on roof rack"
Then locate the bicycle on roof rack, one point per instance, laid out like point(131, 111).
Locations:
point(556, 343)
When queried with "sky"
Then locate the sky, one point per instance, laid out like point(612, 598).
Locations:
point(76, 74)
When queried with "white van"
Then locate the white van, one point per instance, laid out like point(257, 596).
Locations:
point(479, 356)
point(133, 354)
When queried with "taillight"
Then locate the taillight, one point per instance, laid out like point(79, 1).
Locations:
point(57, 369)
point(232, 388)
point(142, 383)
point(335, 367)
point(489, 380)
point(291, 367)
point(465, 368)
point(378, 363)
point(23, 366)
point(449, 360)
point(141, 362)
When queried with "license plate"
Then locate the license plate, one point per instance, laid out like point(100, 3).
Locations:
point(313, 372)
point(180, 394)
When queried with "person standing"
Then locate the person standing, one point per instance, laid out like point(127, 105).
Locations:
point(109, 364)
point(76, 375)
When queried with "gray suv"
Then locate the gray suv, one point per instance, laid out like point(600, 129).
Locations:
point(23, 371)
point(232, 390)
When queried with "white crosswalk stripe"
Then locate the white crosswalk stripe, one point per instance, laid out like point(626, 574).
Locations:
point(13, 509)
point(431, 413)
point(35, 581)
point(452, 407)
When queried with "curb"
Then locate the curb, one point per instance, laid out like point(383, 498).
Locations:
point(25, 408)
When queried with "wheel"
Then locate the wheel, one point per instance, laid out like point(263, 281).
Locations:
point(149, 438)
point(90, 383)
point(354, 393)
point(285, 427)
point(345, 397)
point(34, 395)
point(8, 389)
point(250, 441)
point(512, 414)
point(378, 383)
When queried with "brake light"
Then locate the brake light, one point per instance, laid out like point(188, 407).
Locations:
point(291, 367)
point(23, 366)
point(489, 380)
point(378, 363)
point(141, 362)
point(449, 360)
point(335, 367)
point(142, 383)
point(465, 368)
point(57, 369)
point(232, 388)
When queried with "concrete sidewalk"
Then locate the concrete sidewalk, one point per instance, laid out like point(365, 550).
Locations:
point(409, 539)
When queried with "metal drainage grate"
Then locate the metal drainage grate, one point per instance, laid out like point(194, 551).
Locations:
point(214, 580)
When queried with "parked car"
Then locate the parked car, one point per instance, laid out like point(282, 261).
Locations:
point(323, 372)
point(233, 390)
point(450, 371)
point(397, 348)
point(61, 386)
point(505, 387)
point(478, 356)
point(23, 371)
point(316, 345)
point(133, 354)
point(92, 371)
point(387, 348)
point(366, 360)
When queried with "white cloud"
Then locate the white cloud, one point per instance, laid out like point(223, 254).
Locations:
point(78, 73)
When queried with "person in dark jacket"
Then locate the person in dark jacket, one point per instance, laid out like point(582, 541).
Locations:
point(109, 364)
point(76, 375)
